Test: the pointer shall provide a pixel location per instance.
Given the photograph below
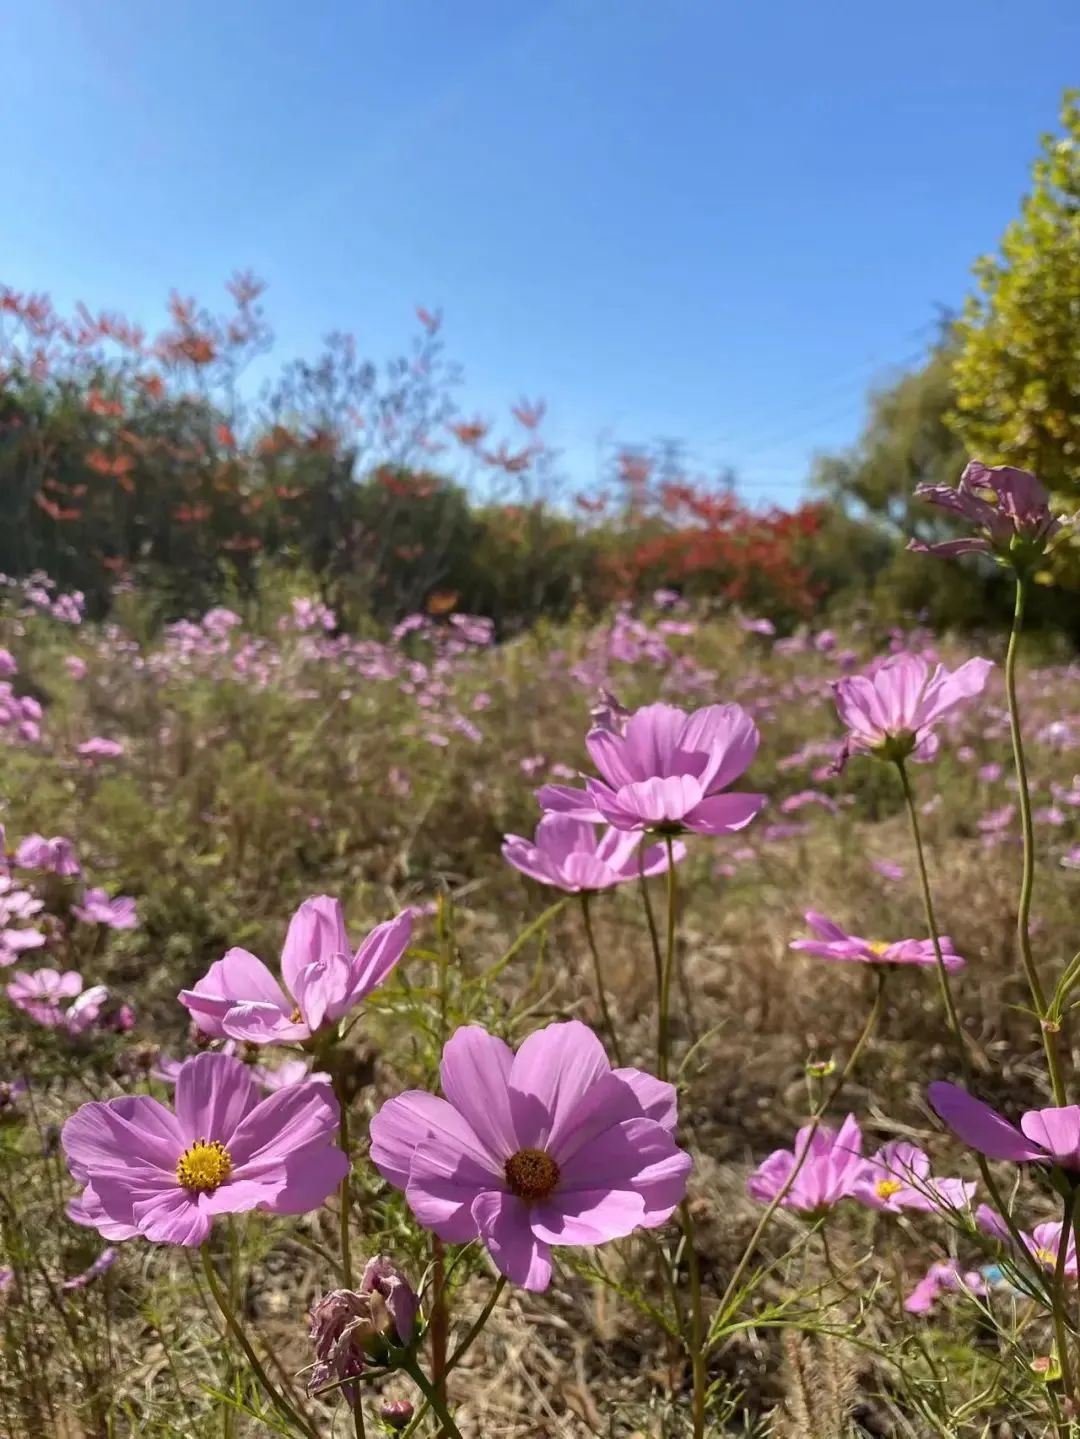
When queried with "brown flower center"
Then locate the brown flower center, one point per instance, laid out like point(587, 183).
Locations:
point(531, 1174)
point(204, 1166)
point(296, 1017)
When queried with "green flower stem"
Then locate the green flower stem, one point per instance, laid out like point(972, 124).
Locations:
point(1059, 1295)
point(1027, 880)
point(693, 1334)
point(431, 1394)
point(931, 921)
point(236, 1329)
point(345, 1189)
point(815, 1123)
point(463, 1348)
point(663, 1023)
point(598, 976)
point(650, 919)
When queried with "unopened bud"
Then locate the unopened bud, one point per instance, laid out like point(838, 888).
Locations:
point(396, 1414)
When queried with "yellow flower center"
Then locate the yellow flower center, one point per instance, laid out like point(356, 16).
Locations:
point(1045, 1256)
point(296, 1017)
point(531, 1174)
point(878, 946)
point(204, 1166)
point(886, 1188)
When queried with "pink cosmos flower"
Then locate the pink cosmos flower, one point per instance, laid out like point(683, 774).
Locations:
point(946, 1276)
point(8, 666)
point(43, 989)
point(147, 1170)
point(898, 1177)
point(891, 710)
point(1048, 1136)
point(75, 666)
point(1008, 509)
point(239, 997)
point(39, 996)
point(98, 908)
point(666, 773)
point(548, 1146)
point(289, 1072)
point(568, 854)
point(1043, 1243)
point(55, 856)
point(835, 943)
point(99, 748)
point(829, 1166)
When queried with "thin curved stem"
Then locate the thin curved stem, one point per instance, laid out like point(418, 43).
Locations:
point(1027, 877)
point(598, 976)
point(931, 920)
point(800, 1159)
point(237, 1331)
point(650, 918)
point(1060, 1302)
point(345, 1188)
point(695, 1340)
point(463, 1348)
point(434, 1398)
point(663, 1019)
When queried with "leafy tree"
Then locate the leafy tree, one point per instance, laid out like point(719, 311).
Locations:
point(1017, 370)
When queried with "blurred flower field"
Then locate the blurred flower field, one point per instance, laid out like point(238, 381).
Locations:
point(635, 1022)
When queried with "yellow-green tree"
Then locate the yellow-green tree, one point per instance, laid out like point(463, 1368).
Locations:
point(1016, 374)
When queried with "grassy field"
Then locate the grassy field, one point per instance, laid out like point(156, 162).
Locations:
point(257, 762)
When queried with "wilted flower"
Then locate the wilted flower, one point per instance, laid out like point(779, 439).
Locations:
point(239, 997)
point(829, 1164)
point(548, 1146)
point(1008, 509)
point(349, 1327)
point(835, 943)
point(568, 854)
point(396, 1413)
point(891, 711)
point(225, 1150)
point(667, 772)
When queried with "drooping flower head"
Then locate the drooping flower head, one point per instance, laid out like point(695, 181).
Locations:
point(350, 1328)
point(666, 773)
point(836, 944)
point(827, 1164)
point(898, 1177)
point(569, 854)
point(892, 710)
point(147, 1170)
point(239, 997)
point(1047, 1136)
point(1008, 510)
point(548, 1146)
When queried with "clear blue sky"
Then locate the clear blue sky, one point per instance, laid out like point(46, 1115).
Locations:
point(715, 220)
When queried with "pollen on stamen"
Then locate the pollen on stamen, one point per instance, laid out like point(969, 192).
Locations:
point(886, 1188)
point(531, 1174)
point(205, 1166)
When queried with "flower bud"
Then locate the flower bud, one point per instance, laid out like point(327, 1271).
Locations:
point(396, 1414)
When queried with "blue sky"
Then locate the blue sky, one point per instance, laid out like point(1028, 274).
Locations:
point(708, 220)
